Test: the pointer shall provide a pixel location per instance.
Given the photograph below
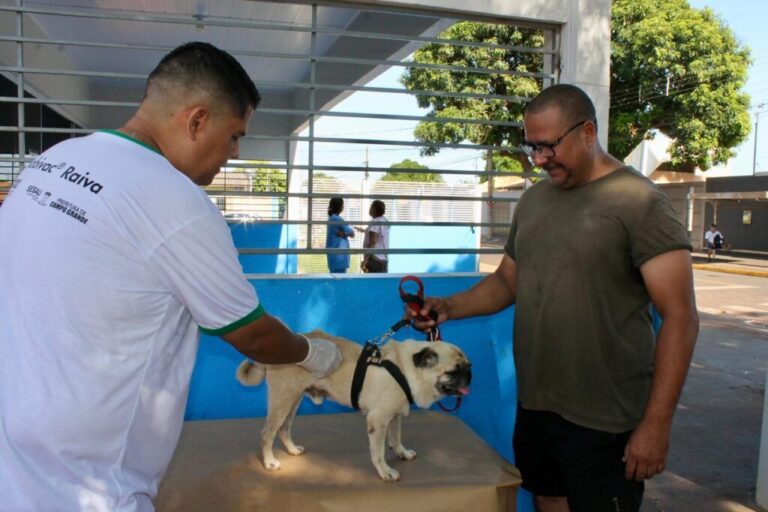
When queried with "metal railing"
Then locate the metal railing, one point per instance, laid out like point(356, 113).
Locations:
point(307, 133)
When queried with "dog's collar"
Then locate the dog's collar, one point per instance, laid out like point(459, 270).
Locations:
point(371, 355)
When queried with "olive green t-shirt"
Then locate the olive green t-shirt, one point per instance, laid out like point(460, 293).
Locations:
point(584, 342)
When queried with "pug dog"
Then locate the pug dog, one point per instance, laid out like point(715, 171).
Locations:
point(432, 371)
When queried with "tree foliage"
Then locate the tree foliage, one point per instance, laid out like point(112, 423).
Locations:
point(493, 109)
point(674, 69)
point(678, 70)
point(427, 177)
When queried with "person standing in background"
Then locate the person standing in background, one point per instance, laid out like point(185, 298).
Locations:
point(376, 237)
point(714, 239)
point(337, 237)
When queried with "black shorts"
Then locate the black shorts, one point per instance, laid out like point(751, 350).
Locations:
point(559, 458)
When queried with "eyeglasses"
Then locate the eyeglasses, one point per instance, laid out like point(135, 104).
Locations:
point(546, 150)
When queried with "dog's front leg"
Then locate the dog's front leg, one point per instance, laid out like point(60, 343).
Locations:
point(377, 435)
point(395, 440)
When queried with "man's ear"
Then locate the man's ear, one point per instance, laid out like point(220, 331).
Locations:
point(197, 119)
point(590, 131)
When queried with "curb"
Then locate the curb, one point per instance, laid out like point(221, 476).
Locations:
point(726, 270)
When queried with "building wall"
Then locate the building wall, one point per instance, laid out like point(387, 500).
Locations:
point(729, 214)
point(741, 236)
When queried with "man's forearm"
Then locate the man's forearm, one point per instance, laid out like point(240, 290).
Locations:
point(674, 350)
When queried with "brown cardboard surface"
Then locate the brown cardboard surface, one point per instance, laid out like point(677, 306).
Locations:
point(217, 467)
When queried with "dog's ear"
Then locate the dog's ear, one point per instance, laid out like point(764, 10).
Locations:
point(426, 358)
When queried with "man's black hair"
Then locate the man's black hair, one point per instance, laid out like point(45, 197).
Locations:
point(572, 102)
point(379, 207)
point(202, 66)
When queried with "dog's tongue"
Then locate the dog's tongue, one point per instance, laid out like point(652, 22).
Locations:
point(464, 390)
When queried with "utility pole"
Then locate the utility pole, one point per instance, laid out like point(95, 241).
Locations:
point(754, 153)
point(366, 162)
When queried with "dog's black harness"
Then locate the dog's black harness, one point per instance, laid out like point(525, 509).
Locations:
point(371, 355)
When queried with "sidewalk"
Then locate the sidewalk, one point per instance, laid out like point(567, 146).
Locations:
point(748, 263)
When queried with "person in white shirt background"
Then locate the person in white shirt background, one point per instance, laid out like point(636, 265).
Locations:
point(107, 283)
point(376, 237)
point(714, 239)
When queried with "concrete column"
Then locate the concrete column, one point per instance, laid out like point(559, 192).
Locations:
point(586, 52)
point(762, 467)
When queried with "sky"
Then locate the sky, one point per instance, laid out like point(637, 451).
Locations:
point(746, 18)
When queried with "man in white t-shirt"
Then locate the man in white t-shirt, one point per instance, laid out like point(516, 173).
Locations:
point(376, 237)
point(714, 239)
point(114, 260)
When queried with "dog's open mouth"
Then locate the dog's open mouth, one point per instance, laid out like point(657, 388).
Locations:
point(447, 389)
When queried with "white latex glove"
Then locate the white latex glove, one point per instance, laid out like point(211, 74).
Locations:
point(323, 357)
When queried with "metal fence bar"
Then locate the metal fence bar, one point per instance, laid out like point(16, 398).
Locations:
point(362, 250)
point(229, 23)
point(285, 111)
point(294, 138)
point(389, 223)
point(257, 165)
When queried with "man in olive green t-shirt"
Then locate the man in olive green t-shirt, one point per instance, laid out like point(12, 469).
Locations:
point(590, 249)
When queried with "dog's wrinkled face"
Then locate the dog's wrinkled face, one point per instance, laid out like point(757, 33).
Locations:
point(451, 367)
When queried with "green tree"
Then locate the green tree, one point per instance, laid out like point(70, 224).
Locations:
point(488, 109)
point(428, 177)
point(678, 70)
point(674, 69)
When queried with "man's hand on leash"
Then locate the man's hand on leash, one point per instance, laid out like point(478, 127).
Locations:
point(421, 319)
point(323, 357)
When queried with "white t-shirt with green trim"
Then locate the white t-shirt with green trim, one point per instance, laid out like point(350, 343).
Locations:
point(110, 260)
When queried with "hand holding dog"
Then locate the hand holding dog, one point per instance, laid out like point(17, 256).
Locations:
point(322, 357)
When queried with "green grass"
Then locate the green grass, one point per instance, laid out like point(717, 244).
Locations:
point(318, 264)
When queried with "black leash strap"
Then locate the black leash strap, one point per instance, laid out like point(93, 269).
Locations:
point(371, 356)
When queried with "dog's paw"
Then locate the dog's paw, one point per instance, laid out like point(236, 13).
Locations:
point(389, 475)
point(296, 450)
point(406, 454)
point(272, 465)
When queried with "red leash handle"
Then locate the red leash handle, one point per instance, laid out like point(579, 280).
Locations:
point(415, 302)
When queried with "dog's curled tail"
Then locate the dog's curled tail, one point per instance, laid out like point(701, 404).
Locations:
point(250, 373)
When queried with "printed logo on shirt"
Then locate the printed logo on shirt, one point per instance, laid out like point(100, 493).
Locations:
point(71, 174)
point(41, 164)
point(44, 200)
point(34, 192)
point(70, 210)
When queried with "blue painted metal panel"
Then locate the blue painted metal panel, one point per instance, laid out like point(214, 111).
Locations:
point(254, 235)
point(266, 236)
point(360, 308)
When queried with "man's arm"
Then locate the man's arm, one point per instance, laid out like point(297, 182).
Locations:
point(494, 293)
point(373, 237)
point(268, 340)
point(669, 281)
